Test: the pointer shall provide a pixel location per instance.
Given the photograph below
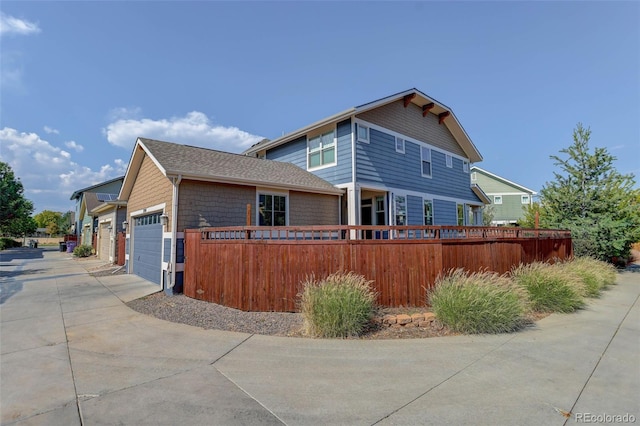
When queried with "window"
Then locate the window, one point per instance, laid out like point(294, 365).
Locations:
point(474, 177)
point(525, 199)
point(400, 145)
point(497, 199)
point(272, 210)
point(425, 154)
point(363, 133)
point(449, 161)
point(380, 213)
point(400, 209)
point(465, 166)
point(460, 214)
point(321, 150)
point(149, 219)
point(428, 212)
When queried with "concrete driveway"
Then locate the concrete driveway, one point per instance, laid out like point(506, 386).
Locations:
point(72, 353)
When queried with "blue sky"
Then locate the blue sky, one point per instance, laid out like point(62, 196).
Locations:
point(79, 81)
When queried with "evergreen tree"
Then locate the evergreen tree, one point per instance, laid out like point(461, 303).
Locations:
point(593, 200)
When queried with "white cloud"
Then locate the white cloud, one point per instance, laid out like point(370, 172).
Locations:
point(195, 128)
point(49, 174)
point(10, 25)
point(51, 130)
point(74, 145)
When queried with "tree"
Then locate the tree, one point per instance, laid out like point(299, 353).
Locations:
point(528, 220)
point(15, 209)
point(50, 220)
point(593, 200)
point(488, 213)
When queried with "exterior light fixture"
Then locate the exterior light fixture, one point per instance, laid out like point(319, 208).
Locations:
point(124, 225)
point(164, 219)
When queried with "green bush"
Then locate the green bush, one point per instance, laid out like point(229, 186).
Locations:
point(6, 243)
point(480, 302)
point(550, 287)
point(83, 251)
point(341, 305)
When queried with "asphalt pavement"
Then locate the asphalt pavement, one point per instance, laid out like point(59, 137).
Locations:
point(73, 353)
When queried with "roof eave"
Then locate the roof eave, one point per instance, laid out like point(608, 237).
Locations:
point(248, 182)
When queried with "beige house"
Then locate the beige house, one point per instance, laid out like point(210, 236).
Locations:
point(170, 187)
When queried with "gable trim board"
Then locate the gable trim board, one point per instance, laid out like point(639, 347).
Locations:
point(508, 182)
point(418, 99)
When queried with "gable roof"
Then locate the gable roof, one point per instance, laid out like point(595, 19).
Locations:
point(190, 162)
point(503, 180)
point(79, 192)
point(418, 98)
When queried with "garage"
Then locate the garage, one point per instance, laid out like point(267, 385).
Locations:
point(104, 241)
point(146, 260)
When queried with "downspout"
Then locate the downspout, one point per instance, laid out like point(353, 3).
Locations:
point(174, 231)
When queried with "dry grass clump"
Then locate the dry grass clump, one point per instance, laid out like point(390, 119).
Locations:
point(479, 302)
point(341, 305)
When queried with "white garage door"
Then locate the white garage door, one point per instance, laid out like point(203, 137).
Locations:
point(105, 239)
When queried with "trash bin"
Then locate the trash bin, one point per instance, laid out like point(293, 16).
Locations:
point(70, 246)
point(63, 246)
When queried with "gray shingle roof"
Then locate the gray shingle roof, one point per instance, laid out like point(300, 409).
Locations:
point(207, 164)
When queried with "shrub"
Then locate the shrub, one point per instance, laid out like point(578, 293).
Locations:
point(341, 305)
point(83, 251)
point(480, 302)
point(595, 274)
point(549, 287)
point(6, 243)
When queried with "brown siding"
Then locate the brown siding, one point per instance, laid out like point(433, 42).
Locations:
point(313, 209)
point(410, 122)
point(203, 204)
point(150, 188)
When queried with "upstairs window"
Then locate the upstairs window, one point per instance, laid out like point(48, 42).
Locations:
point(465, 166)
point(449, 161)
point(425, 154)
point(363, 133)
point(525, 199)
point(272, 210)
point(400, 145)
point(321, 150)
point(474, 177)
point(497, 199)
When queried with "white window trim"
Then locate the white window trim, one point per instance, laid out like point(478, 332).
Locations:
point(449, 160)
point(401, 151)
point(358, 138)
point(497, 199)
point(422, 160)
point(464, 214)
point(393, 207)
point(528, 199)
point(266, 191)
point(433, 213)
point(465, 166)
point(335, 147)
point(474, 176)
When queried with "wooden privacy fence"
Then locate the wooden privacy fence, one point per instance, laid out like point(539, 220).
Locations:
point(262, 268)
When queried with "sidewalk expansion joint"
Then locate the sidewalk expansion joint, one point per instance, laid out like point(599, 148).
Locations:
point(231, 350)
point(615, 333)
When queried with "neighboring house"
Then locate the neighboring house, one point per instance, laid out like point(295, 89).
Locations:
point(84, 222)
point(89, 217)
point(402, 160)
point(110, 215)
point(170, 187)
point(507, 198)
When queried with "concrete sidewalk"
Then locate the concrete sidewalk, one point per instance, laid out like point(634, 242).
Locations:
point(73, 353)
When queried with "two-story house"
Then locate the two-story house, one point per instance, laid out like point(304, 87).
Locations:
point(508, 199)
point(401, 160)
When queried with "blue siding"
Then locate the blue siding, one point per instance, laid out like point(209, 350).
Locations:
point(445, 212)
point(167, 250)
point(379, 163)
point(180, 250)
point(296, 152)
point(414, 211)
